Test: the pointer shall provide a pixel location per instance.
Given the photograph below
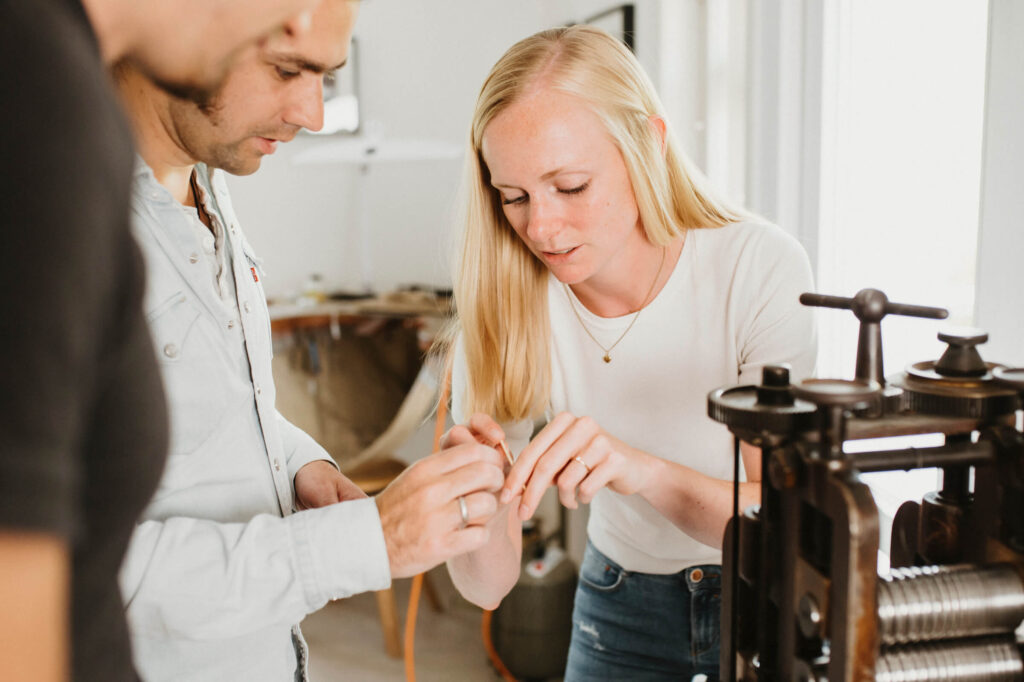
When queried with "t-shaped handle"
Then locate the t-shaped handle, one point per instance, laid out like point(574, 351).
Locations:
point(870, 306)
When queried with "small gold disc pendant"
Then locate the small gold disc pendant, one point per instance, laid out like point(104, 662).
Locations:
point(607, 358)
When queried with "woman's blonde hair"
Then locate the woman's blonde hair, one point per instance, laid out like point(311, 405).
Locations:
point(500, 286)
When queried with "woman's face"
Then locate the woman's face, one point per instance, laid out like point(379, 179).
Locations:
point(563, 186)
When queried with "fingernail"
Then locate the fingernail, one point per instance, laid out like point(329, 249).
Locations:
point(524, 512)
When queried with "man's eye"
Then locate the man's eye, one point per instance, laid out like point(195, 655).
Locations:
point(285, 74)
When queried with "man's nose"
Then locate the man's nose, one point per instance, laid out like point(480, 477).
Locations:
point(306, 106)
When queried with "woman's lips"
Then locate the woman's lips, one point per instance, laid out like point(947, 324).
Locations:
point(560, 256)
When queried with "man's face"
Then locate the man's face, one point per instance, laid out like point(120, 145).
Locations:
point(187, 46)
point(274, 90)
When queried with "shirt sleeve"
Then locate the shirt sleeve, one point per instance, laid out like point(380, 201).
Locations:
point(299, 447)
point(199, 579)
point(777, 328)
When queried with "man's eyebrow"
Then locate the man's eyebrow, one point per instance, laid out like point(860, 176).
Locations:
point(302, 64)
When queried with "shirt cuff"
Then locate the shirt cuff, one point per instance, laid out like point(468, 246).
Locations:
point(341, 551)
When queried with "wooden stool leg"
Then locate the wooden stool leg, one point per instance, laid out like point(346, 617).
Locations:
point(389, 622)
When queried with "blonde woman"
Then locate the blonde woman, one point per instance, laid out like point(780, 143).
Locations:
point(601, 286)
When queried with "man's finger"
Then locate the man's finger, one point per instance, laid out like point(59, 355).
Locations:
point(474, 477)
point(460, 455)
point(468, 539)
point(457, 435)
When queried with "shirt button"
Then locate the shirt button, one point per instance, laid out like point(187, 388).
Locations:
point(171, 350)
point(277, 465)
point(259, 390)
point(231, 324)
point(193, 258)
point(248, 308)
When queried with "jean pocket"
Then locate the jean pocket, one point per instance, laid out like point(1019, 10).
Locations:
point(705, 610)
point(600, 573)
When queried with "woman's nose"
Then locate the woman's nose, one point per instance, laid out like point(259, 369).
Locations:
point(544, 221)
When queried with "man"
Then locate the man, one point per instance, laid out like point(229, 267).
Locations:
point(82, 421)
point(221, 571)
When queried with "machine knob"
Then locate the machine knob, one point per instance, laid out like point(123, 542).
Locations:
point(774, 388)
point(961, 358)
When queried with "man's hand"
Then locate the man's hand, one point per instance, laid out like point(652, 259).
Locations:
point(420, 511)
point(319, 484)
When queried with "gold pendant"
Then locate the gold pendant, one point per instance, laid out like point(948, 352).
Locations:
point(607, 358)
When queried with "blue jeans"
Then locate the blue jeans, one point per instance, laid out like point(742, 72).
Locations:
point(640, 626)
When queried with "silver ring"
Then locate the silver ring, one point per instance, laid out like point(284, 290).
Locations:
point(463, 510)
point(580, 460)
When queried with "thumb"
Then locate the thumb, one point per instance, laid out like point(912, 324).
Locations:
point(347, 490)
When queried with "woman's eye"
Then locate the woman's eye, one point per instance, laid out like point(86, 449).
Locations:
point(576, 190)
point(509, 201)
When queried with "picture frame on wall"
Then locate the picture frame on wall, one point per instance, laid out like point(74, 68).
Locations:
point(619, 21)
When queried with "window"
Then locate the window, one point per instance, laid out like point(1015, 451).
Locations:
point(902, 113)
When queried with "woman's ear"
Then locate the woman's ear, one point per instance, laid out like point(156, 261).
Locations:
point(660, 129)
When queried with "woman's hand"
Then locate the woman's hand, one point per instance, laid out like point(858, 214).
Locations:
point(575, 452)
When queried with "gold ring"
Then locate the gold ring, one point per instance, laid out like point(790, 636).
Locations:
point(585, 465)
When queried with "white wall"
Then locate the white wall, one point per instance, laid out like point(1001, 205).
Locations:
point(421, 64)
point(1000, 277)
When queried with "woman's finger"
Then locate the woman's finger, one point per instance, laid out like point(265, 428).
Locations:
point(522, 470)
point(574, 440)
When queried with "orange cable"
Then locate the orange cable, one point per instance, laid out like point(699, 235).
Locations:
point(408, 653)
point(492, 653)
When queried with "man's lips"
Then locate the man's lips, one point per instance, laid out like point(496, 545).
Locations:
point(266, 145)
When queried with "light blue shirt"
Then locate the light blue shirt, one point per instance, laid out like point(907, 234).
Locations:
point(221, 568)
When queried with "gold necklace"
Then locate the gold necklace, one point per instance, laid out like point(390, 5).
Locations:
point(647, 299)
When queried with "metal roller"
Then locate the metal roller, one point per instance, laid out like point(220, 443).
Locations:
point(944, 602)
point(977, 661)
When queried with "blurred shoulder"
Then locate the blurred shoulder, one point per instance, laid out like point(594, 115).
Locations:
point(748, 235)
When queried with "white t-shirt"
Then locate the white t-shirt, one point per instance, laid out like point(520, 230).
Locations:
point(730, 306)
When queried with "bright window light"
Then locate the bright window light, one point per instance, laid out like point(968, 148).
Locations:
point(901, 175)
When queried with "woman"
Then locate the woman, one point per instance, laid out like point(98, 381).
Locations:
point(600, 282)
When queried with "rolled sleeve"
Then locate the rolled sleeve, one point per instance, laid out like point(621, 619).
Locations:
point(299, 447)
point(341, 551)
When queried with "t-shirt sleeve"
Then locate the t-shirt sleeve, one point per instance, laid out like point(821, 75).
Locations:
point(777, 328)
point(55, 287)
